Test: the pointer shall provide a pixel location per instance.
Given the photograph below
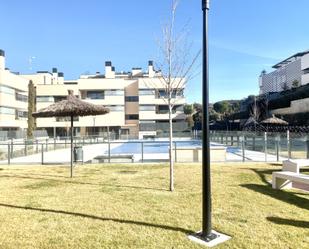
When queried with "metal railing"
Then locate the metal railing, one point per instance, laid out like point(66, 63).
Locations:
point(107, 150)
point(265, 144)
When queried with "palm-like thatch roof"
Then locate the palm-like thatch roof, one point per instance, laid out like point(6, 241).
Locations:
point(274, 121)
point(72, 106)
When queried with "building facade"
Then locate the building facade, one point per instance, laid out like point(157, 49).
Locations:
point(289, 73)
point(136, 101)
point(13, 100)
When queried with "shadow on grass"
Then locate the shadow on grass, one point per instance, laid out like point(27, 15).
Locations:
point(89, 216)
point(81, 183)
point(284, 196)
point(263, 173)
point(289, 222)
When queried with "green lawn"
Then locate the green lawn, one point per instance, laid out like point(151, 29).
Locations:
point(128, 206)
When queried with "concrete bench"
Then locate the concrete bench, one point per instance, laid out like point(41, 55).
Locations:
point(293, 165)
point(284, 179)
point(105, 158)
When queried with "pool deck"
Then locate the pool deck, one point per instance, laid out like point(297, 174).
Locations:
point(152, 152)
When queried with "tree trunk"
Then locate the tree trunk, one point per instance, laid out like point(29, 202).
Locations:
point(171, 147)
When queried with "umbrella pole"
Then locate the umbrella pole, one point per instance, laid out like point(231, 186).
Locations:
point(71, 146)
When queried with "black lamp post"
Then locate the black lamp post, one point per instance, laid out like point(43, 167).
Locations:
point(206, 233)
point(207, 236)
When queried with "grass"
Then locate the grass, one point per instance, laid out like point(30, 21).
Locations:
point(128, 206)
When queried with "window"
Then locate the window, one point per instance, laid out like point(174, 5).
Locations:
point(7, 110)
point(66, 119)
point(21, 114)
point(146, 92)
point(132, 117)
point(147, 122)
point(163, 109)
point(59, 98)
point(147, 108)
point(22, 98)
point(95, 94)
point(114, 92)
point(175, 94)
point(45, 99)
point(6, 89)
point(115, 108)
point(132, 98)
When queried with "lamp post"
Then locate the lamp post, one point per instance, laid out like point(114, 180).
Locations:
point(207, 236)
point(206, 233)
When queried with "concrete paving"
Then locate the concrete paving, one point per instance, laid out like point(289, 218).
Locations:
point(152, 151)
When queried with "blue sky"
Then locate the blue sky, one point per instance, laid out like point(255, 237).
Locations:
point(79, 36)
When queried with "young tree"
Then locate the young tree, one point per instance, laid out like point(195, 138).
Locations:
point(31, 109)
point(175, 66)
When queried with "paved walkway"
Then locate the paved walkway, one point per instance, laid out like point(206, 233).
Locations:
point(152, 152)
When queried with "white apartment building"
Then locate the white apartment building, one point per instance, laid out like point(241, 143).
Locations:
point(13, 100)
point(292, 69)
point(134, 98)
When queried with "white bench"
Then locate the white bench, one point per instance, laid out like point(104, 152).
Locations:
point(284, 179)
point(293, 165)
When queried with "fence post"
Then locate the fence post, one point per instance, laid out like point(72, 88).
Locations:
point(9, 155)
point(288, 143)
point(265, 145)
point(46, 144)
point(232, 140)
point(42, 154)
point(25, 141)
point(237, 140)
point(12, 148)
point(109, 151)
point(37, 146)
point(277, 147)
point(221, 138)
point(175, 147)
point(142, 144)
point(243, 148)
point(54, 143)
point(307, 146)
point(253, 143)
point(65, 143)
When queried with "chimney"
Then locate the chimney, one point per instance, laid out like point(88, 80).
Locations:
point(136, 71)
point(151, 71)
point(2, 60)
point(55, 75)
point(109, 70)
point(60, 78)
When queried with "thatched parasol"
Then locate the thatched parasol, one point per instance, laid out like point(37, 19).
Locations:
point(71, 107)
point(274, 121)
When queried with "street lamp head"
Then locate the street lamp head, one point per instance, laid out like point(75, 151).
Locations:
point(205, 4)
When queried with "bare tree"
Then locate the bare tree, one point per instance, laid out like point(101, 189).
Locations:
point(175, 65)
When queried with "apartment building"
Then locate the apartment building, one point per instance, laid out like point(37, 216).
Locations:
point(13, 100)
point(135, 99)
point(291, 72)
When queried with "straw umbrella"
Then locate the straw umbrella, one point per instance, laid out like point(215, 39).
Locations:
point(71, 107)
point(274, 121)
point(276, 124)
